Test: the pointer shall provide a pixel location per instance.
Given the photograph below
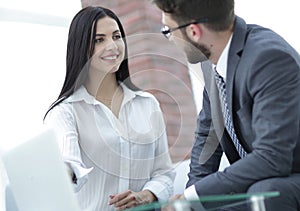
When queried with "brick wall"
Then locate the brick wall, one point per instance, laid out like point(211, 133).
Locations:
point(157, 66)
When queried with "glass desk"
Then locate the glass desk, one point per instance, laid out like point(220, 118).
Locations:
point(242, 202)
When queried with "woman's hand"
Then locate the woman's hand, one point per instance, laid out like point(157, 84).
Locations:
point(176, 197)
point(171, 207)
point(129, 199)
point(71, 173)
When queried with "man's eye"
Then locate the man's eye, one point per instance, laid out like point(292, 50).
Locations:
point(99, 40)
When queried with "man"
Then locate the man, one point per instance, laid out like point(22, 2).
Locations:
point(251, 102)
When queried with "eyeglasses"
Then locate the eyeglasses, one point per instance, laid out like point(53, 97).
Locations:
point(167, 31)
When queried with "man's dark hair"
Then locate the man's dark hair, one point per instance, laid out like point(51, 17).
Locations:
point(220, 13)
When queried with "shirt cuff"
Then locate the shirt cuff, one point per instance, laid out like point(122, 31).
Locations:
point(81, 174)
point(190, 193)
point(161, 192)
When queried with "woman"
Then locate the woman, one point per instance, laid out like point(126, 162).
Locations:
point(111, 134)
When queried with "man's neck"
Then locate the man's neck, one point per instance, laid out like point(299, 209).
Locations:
point(220, 41)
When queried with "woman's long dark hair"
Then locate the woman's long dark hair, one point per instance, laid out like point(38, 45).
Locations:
point(80, 50)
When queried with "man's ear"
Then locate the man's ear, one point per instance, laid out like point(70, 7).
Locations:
point(194, 32)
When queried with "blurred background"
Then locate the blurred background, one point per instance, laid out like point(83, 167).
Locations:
point(33, 43)
point(33, 46)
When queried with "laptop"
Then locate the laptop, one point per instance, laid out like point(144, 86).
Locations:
point(37, 175)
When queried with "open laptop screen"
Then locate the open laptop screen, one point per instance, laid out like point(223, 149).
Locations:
point(38, 177)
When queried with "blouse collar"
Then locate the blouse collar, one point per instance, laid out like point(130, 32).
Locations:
point(81, 94)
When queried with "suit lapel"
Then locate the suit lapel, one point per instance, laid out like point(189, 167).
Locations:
point(236, 47)
point(213, 93)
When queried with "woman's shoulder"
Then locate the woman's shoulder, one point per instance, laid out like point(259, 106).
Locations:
point(147, 97)
point(147, 94)
point(61, 109)
point(138, 94)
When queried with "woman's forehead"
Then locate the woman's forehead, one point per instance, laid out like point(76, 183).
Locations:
point(106, 25)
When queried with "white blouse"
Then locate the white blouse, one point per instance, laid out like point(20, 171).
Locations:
point(110, 155)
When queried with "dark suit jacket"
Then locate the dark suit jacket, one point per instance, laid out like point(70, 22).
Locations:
point(262, 85)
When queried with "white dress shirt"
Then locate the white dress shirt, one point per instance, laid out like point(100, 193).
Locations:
point(110, 155)
point(190, 193)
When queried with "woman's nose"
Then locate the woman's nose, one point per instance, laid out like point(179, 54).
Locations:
point(111, 45)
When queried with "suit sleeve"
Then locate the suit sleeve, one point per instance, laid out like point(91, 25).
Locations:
point(274, 88)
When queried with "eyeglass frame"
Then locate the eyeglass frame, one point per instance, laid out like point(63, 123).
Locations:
point(167, 32)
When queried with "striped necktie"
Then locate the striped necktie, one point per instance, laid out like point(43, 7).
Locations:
point(228, 123)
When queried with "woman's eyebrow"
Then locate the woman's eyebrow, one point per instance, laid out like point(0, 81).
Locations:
point(117, 31)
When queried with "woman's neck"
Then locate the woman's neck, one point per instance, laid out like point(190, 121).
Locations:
point(102, 86)
point(106, 90)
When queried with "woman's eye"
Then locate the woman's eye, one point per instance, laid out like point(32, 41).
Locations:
point(117, 37)
point(99, 40)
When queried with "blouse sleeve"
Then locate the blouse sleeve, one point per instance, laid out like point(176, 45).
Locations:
point(162, 177)
point(62, 121)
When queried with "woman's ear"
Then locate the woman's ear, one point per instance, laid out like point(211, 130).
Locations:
point(194, 32)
